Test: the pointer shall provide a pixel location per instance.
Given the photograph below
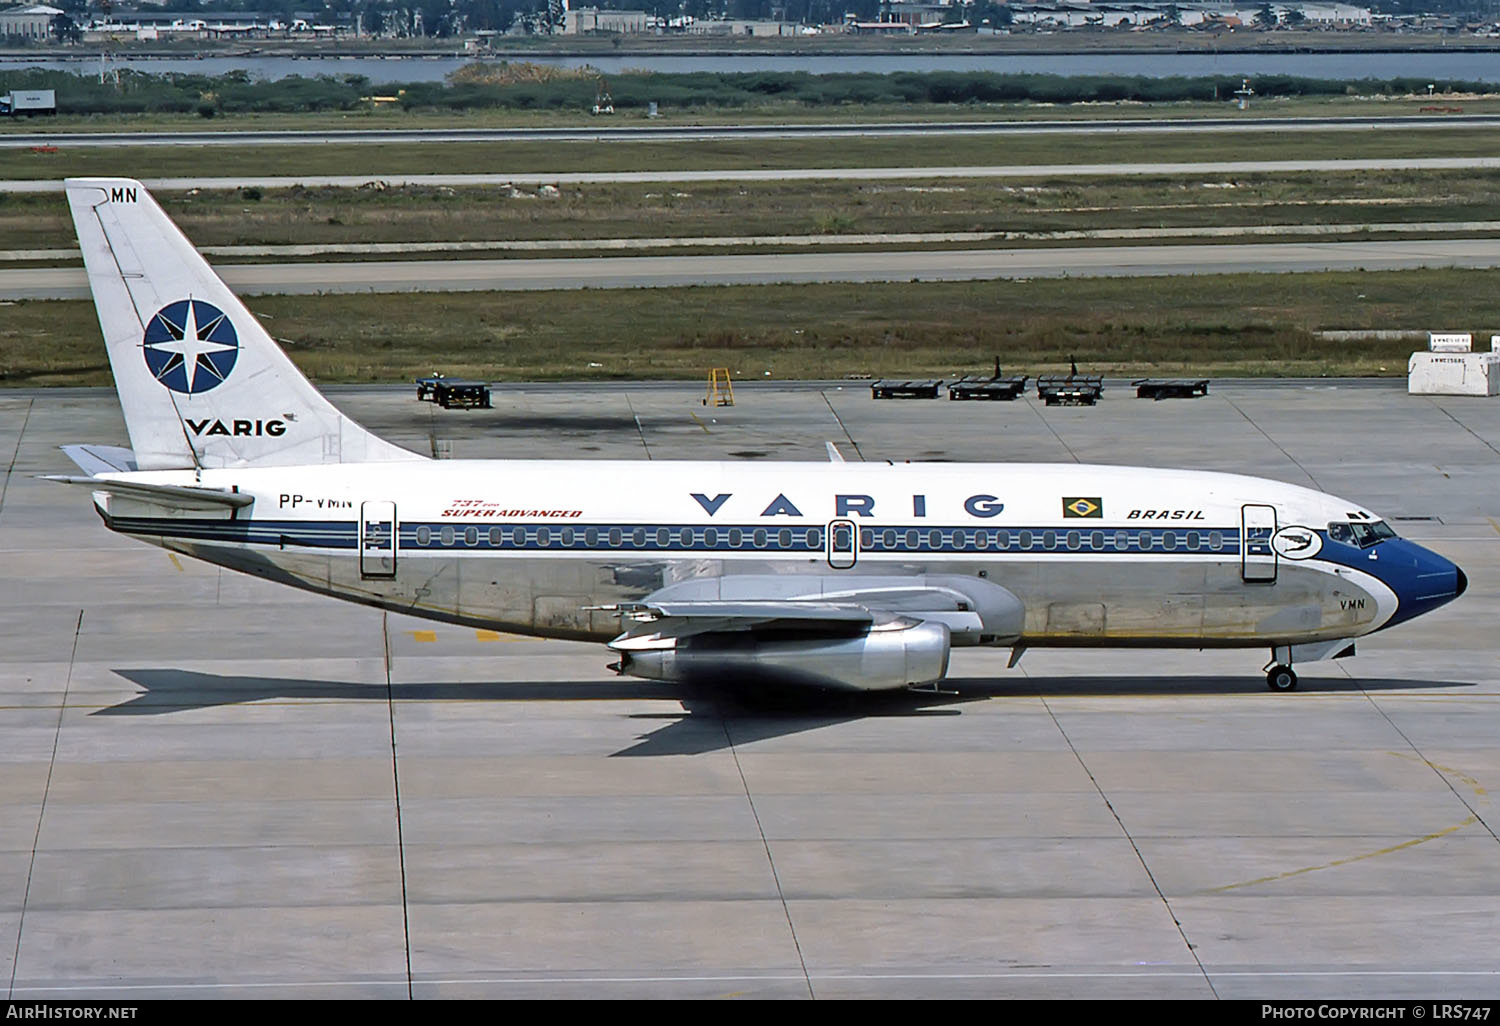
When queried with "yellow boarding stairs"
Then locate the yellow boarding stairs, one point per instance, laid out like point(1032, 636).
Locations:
point(720, 391)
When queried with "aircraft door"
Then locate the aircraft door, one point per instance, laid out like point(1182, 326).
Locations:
point(843, 544)
point(377, 539)
point(1257, 556)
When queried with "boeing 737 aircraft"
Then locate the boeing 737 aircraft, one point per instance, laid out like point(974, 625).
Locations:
point(836, 575)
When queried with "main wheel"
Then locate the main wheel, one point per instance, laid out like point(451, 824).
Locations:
point(1281, 678)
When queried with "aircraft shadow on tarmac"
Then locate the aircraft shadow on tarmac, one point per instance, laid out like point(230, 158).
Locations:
point(713, 718)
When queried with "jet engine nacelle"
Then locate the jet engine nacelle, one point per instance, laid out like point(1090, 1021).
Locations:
point(884, 657)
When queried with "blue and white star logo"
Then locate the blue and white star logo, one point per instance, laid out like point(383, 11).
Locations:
point(190, 346)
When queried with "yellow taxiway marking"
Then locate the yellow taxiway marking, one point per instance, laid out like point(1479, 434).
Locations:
point(1477, 787)
point(1344, 862)
point(173, 557)
point(479, 635)
point(1493, 524)
point(1470, 781)
point(483, 635)
point(707, 432)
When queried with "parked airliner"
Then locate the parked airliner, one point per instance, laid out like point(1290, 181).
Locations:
point(834, 575)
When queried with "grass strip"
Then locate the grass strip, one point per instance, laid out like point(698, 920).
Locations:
point(554, 157)
point(1220, 325)
point(283, 217)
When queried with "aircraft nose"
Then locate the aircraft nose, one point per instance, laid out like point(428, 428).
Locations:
point(1421, 579)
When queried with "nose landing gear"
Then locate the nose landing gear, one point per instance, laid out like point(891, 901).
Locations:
point(1279, 673)
point(1281, 678)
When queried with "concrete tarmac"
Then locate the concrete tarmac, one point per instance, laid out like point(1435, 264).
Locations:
point(622, 272)
point(213, 786)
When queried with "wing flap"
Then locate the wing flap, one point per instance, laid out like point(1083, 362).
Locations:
point(661, 624)
point(763, 611)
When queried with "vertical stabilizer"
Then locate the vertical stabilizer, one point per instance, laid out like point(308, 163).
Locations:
point(201, 383)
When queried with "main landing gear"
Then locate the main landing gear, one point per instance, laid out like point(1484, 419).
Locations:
point(1281, 678)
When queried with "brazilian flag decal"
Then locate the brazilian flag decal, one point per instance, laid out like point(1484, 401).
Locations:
point(1077, 506)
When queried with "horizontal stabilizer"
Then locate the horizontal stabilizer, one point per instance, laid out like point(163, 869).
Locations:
point(174, 496)
point(101, 459)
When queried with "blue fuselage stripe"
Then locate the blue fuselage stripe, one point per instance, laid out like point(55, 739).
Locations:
point(698, 538)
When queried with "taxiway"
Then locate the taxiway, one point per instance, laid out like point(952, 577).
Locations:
point(213, 786)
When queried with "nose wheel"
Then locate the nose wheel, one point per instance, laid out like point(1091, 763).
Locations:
point(1281, 678)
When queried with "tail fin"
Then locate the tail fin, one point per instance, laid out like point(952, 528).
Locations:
point(201, 383)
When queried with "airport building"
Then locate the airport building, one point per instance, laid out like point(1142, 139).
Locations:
point(34, 21)
point(1072, 14)
point(592, 19)
point(895, 17)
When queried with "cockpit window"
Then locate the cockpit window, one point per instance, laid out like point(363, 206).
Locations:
point(1361, 534)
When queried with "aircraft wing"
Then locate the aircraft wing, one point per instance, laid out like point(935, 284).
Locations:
point(843, 598)
point(822, 630)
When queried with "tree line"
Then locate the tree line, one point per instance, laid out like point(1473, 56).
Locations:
point(238, 92)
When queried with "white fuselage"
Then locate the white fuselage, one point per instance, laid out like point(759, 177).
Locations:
point(1096, 554)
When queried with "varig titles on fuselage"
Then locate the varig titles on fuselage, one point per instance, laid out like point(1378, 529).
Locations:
point(851, 505)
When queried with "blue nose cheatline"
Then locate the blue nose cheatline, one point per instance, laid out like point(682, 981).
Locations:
point(1421, 579)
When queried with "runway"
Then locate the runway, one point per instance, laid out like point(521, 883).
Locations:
point(216, 787)
point(1215, 167)
point(688, 133)
point(615, 272)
